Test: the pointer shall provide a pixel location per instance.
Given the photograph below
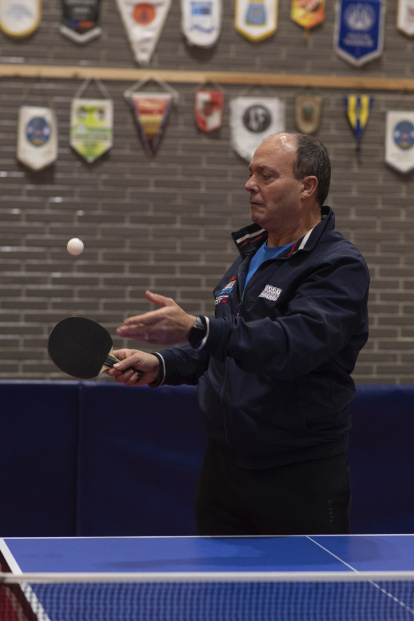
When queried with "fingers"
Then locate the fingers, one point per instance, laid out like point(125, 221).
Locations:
point(167, 325)
point(158, 299)
point(130, 377)
point(135, 368)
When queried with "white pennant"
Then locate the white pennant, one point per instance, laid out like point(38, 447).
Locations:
point(399, 140)
point(20, 18)
point(37, 137)
point(201, 21)
point(405, 16)
point(252, 120)
point(143, 22)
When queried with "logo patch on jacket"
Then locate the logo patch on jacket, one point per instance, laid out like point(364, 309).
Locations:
point(223, 296)
point(271, 293)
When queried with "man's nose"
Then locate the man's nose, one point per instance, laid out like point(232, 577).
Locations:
point(250, 184)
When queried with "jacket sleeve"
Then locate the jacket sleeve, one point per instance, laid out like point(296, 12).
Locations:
point(326, 313)
point(181, 365)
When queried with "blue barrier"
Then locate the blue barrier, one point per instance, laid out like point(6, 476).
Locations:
point(98, 458)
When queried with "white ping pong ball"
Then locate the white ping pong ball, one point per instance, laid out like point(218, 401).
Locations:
point(75, 246)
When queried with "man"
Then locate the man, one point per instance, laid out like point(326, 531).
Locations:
point(273, 368)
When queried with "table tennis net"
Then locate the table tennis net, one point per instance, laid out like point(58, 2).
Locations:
point(290, 597)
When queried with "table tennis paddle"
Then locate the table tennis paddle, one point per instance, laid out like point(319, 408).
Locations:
point(82, 348)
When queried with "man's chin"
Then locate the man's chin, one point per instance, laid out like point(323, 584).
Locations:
point(256, 217)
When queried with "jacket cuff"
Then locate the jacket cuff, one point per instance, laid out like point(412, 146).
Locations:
point(215, 336)
point(161, 371)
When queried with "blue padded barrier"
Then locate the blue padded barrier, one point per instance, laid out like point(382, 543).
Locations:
point(140, 449)
point(98, 458)
point(381, 455)
point(38, 458)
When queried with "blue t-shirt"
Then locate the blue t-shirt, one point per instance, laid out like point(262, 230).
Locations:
point(263, 254)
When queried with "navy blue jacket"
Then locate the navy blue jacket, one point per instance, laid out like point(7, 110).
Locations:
point(274, 376)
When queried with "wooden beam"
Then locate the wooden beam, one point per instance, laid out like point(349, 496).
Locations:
point(200, 77)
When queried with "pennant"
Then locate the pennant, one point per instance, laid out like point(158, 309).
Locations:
point(399, 141)
point(359, 30)
point(20, 18)
point(143, 22)
point(256, 19)
point(405, 17)
point(357, 109)
point(80, 20)
point(308, 13)
point(91, 127)
point(201, 21)
point(37, 137)
point(308, 112)
point(208, 109)
point(252, 120)
point(151, 112)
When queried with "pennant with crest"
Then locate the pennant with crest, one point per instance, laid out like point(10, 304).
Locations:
point(20, 18)
point(208, 109)
point(256, 19)
point(252, 120)
point(308, 13)
point(308, 112)
point(37, 137)
point(359, 30)
point(144, 22)
point(399, 141)
point(358, 108)
point(81, 20)
point(405, 17)
point(91, 126)
point(151, 111)
point(201, 21)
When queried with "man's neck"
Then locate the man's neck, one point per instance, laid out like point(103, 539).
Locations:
point(288, 237)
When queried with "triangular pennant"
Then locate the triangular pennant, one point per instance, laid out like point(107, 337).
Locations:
point(91, 127)
point(399, 140)
point(405, 17)
point(20, 18)
point(256, 19)
point(81, 20)
point(151, 112)
point(252, 120)
point(359, 30)
point(144, 22)
point(201, 21)
point(357, 109)
point(37, 137)
point(308, 112)
point(208, 109)
point(308, 13)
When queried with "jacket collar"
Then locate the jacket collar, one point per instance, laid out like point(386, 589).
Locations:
point(249, 238)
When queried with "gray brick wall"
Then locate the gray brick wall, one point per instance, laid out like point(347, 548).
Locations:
point(164, 223)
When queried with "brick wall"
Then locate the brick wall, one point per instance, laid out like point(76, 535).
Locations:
point(164, 223)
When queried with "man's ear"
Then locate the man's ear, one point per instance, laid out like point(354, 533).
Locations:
point(310, 185)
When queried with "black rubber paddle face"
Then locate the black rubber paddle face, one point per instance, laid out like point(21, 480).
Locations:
point(79, 347)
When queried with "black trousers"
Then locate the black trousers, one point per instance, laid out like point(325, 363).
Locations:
point(307, 498)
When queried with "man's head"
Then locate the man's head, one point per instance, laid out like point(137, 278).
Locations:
point(285, 193)
point(312, 159)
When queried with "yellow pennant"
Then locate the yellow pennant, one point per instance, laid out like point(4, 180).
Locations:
point(358, 108)
point(256, 19)
point(308, 13)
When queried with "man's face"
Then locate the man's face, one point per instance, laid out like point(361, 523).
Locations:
point(275, 194)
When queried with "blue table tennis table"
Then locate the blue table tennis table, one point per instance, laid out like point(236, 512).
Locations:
point(355, 577)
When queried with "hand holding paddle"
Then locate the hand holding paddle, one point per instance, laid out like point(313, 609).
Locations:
point(83, 349)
